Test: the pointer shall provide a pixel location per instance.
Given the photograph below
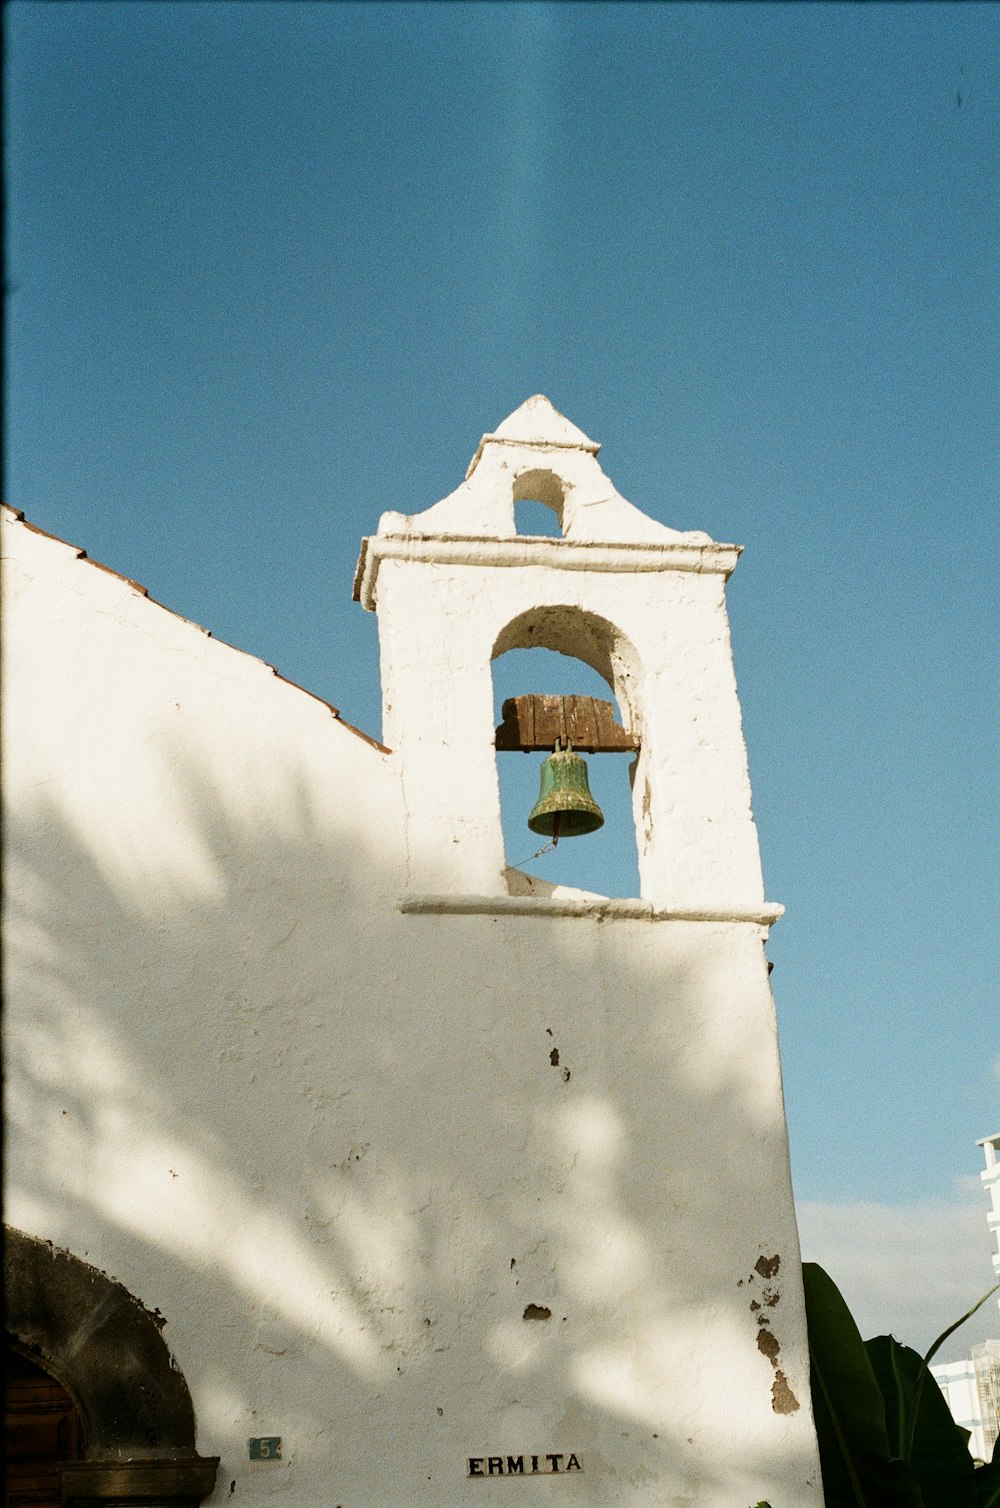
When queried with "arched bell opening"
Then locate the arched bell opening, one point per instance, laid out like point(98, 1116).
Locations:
point(547, 658)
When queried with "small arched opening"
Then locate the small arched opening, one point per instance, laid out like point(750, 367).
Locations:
point(565, 652)
point(539, 499)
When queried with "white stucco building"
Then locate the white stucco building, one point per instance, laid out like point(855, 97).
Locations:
point(972, 1386)
point(990, 1176)
point(372, 1145)
point(972, 1391)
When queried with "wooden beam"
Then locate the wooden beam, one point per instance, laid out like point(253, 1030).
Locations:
point(537, 723)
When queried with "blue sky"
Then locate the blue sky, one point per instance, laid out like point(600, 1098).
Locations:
point(275, 268)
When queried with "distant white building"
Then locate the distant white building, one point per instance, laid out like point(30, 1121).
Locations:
point(972, 1386)
point(991, 1182)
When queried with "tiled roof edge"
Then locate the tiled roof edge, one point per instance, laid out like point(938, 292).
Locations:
point(17, 515)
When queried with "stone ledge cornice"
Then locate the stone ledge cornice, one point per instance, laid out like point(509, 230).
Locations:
point(173, 1482)
point(591, 447)
point(520, 551)
point(764, 915)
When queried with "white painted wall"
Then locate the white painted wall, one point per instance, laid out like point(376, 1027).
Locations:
point(289, 1060)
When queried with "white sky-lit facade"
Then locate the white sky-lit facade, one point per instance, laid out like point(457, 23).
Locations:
point(972, 1385)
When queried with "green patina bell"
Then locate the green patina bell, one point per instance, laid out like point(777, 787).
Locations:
point(565, 808)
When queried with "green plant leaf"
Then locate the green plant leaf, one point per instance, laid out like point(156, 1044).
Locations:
point(847, 1402)
point(987, 1480)
point(925, 1364)
point(938, 1453)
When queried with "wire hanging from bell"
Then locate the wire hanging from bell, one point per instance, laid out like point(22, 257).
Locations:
point(546, 848)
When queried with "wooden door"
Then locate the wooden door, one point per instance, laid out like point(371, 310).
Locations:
point(41, 1427)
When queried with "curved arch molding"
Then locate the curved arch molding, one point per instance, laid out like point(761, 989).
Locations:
point(106, 1349)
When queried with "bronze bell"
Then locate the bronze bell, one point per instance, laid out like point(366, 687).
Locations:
point(565, 808)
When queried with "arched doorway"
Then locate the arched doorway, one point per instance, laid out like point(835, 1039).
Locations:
point(42, 1429)
point(105, 1351)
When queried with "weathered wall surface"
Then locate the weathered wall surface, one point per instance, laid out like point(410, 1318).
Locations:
point(409, 1189)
